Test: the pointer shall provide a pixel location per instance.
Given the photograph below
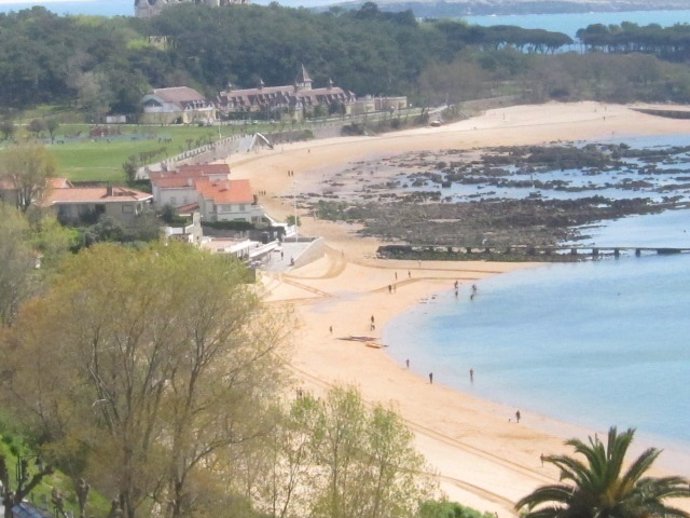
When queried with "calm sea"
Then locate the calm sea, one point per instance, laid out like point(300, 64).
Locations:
point(88, 7)
point(571, 22)
point(597, 343)
point(567, 23)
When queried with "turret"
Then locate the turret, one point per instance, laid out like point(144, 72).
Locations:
point(303, 80)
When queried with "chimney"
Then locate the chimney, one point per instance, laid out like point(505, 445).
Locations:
point(109, 189)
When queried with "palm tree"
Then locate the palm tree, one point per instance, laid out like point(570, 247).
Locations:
point(600, 489)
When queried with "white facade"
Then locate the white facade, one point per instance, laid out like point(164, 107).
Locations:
point(211, 211)
point(175, 196)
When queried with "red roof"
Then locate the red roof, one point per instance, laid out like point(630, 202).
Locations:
point(59, 183)
point(95, 195)
point(174, 182)
point(178, 94)
point(204, 169)
point(188, 209)
point(225, 191)
point(184, 175)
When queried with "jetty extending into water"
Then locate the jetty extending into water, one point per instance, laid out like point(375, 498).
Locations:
point(512, 252)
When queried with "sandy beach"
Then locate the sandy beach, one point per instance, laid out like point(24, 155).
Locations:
point(479, 454)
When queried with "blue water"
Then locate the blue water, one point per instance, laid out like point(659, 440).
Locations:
point(88, 7)
point(597, 343)
point(569, 23)
point(607, 183)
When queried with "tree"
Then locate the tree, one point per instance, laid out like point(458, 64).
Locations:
point(130, 167)
point(52, 125)
point(148, 373)
point(600, 488)
point(24, 484)
point(94, 94)
point(37, 126)
point(28, 167)
point(7, 128)
point(337, 458)
point(17, 262)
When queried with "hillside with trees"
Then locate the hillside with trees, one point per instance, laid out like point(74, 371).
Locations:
point(179, 406)
point(104, 65)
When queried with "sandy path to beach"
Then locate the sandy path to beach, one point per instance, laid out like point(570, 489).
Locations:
point(479, 457)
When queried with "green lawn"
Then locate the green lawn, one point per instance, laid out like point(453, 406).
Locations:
point(12, 446)
point(101, 159)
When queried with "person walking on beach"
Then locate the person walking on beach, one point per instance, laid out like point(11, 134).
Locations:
point(407, 363)
point(431, 378)
point(471, 375)
point(517, 416)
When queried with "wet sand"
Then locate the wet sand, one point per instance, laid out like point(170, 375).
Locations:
point(479, 457)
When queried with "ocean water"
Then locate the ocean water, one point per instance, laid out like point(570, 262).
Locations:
point(596, 343)
point(87, 7)
point(576, 185)
point(569, 23)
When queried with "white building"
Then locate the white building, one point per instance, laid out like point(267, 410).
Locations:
point(208, 189)
point(177, 104)
point(176, 188)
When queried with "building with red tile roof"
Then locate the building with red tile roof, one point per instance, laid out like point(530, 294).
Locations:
point(295, 100)
point(209, 188)
point(227, 200)
point(10, 194)
point(177, 104)
point(176, 187)
point(74, 204)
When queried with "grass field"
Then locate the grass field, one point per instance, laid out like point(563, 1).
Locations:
point(100, 159)
point(11, 447)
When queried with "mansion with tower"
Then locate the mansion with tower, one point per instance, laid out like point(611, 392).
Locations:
point(296, 100)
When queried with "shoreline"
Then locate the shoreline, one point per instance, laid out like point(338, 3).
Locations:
point(676, 452)
point(482, 460)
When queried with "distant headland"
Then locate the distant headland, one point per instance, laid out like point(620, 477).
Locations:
point(443, 8)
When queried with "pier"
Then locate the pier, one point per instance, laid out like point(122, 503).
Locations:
point(535, 252)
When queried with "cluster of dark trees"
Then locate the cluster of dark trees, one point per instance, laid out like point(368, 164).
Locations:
point(105, 65)
point(454, 9)
point(670, 43)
